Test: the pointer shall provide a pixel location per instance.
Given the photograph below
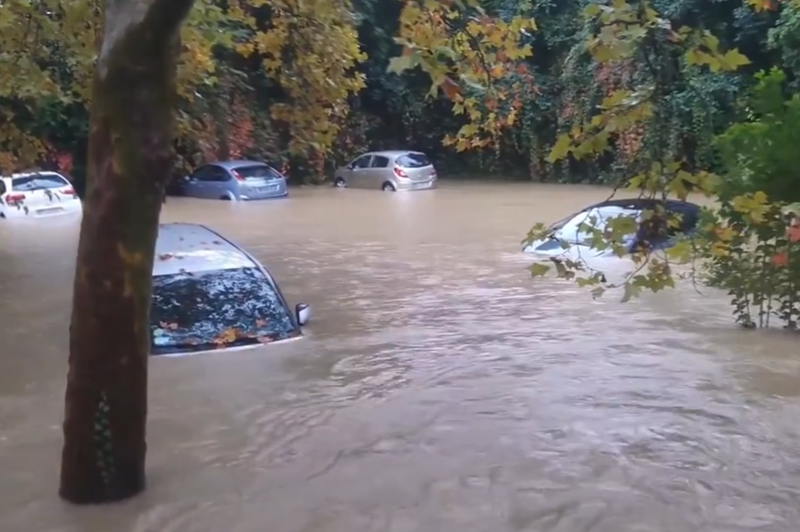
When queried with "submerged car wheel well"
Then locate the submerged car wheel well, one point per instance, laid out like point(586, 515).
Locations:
point(388, 186)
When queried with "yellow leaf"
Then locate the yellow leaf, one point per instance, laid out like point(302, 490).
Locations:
point(734, 59)
point(561, 149)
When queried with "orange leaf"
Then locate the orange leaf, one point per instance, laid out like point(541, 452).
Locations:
point(450, 88)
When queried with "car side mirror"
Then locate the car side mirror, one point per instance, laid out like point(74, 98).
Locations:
point(303, 313)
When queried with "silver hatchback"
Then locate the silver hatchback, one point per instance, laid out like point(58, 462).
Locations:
point(389, 171)
point(235, 181)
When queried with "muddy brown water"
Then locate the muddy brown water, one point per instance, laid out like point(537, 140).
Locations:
point(439, 389)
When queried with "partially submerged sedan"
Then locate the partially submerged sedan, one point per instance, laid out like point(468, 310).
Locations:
point(210, 294)
point(235, 181)
point(570, 236)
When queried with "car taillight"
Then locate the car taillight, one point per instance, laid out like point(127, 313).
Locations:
point(68, 191)
point(238, 176)
point(11, 199)
point(399, 172)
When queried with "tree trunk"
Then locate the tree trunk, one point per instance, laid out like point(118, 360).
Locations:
point(130, 159)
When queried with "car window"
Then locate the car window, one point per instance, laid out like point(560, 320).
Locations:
point(205, 173)
point(597, 218)
point(379, 161)
point(257, 171)
point(413, 160)
point(362, 162)
point(218, 174)
point(217, 309)
point(38, 182)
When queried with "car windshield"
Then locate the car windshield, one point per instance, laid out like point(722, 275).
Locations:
point(413, 160)
point(217, 309)
point(37, 182)
point(257, 171)
point(570, 230)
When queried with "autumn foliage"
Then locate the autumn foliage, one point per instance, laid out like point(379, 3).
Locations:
point(308, 52)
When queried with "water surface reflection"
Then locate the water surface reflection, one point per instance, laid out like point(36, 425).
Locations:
point(439, 388)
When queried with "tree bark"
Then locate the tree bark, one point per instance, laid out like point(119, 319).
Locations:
point(130, 160)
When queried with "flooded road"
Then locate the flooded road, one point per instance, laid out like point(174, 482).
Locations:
point(439, 388)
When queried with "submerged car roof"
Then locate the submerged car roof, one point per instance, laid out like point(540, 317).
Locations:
point(646, 203)
point(232, 165)
point(186, 247)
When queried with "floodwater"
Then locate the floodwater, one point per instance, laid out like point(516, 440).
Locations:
point(439, 388)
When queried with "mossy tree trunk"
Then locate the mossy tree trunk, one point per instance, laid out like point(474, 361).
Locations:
point(130, 160)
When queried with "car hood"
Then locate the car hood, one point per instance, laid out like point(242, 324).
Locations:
point(272, 347)
point(553, 248)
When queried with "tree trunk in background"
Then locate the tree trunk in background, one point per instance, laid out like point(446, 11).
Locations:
point(130, 159)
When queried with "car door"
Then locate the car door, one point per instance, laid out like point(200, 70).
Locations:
point(216, 182)
point(376, 175)
point(359, 172)
point(197, 184)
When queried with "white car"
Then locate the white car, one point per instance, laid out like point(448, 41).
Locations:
point(568, 238)
point(37, 194)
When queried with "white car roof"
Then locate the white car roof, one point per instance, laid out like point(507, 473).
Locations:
point(193, 248)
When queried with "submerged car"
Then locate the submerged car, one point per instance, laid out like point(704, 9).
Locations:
point(235, 181)
point(37, 194)
point(568, 235)
point(388, 171)
point(210, 294)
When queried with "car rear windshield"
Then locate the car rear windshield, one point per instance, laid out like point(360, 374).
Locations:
point(413, 160)
point(574, 232)
point(260, 171)
point(38, 182)
point(216, 309)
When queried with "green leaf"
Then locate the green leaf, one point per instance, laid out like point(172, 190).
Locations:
point(538, 269)
point(591, 11)
point(398, 65)
point(560, 149)
point(561, 269)
point(631, 290)
point(445, 51)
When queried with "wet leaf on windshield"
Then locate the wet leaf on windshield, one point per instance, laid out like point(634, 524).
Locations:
point(227, 336)
point(264, 339)
point(261, 323)
point(169, 326)
point(217, 243)
point(184, 272)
